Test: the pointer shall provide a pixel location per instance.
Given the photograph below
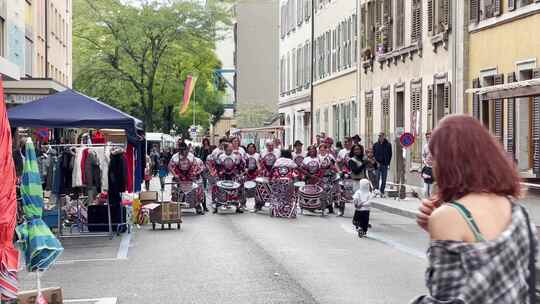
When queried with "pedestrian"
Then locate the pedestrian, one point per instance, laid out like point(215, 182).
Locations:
point(147, 173)
point(163, 172)
point(343, 156)
point(382, 150)
point(483, 245)
point(361, 200)
point(154, 156)
point(427, 176)
point(371, 170)
point(356, 139)
point(357, 165)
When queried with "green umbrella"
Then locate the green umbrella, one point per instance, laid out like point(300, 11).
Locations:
point(40, 247)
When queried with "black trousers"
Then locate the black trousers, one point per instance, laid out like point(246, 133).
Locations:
point(361, 219)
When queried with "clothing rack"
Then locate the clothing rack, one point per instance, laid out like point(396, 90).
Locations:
point(80, 227)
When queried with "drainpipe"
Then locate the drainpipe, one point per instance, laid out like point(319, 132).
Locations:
point(46, 38)
point(312, 68)
point(454, 56)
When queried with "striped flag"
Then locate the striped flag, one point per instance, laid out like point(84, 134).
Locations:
point(189, 86)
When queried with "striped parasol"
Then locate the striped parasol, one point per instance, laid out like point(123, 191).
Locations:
point(39, 245)
point(9, 256)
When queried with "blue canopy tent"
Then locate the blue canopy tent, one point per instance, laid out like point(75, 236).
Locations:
point(71, 109)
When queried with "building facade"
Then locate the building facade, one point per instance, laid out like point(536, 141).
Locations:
point(336, 85)
point(295, 69)
point(411, 72)
point(504, 73)
point(35, 48)
point(256, 59)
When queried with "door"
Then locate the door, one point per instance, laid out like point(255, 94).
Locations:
point(400, 123)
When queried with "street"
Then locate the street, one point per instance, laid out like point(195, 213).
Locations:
point(247, 258)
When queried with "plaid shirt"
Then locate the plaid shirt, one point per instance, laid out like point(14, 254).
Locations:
point(480, 273)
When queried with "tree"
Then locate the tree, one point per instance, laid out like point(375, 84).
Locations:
point(137, 56)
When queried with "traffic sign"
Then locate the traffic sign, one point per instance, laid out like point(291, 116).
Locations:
point(406, 140)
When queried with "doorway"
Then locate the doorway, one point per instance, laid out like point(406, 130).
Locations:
point(400, 123)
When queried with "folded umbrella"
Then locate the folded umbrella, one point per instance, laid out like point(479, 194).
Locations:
point(9, 256)
point(40, 247)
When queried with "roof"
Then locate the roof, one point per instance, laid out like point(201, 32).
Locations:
point(71, 109)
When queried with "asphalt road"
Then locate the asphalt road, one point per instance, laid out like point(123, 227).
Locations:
point(249, 258)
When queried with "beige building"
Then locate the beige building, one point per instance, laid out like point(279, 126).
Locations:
point(35, 37)
point(295, 69)
point(256, 60)
point(411, 71)
point(335, 103)
point(504, 72)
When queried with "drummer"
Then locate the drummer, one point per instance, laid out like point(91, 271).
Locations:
point(311, 166)
point(251, 158)
point(237, 149)
point(268, 159)
point(270, 148)
point(343, 157)
point(285, 160)
point(233, 174)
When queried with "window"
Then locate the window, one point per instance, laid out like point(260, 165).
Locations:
point(439, 16)
point(416, 119)
point(355, 38)
point(328, 65)
point(325, 129)
point(416, 23)
point(287, 83)
point(385, 113)
point(300, 12)
point(317, 121)
point(283, 23)
point(307, 9)
point(439, 103)
point(299, 68)
point(293, 70)
point(369, 118)
point(2, 37)
point(29, 57)
point(281, 76)
point(334, 48)
point(307, 64)
point(400, 23)
point(28, 20)
point(336, 121)
point(354, 118)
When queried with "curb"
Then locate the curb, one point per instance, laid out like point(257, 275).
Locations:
point(393, 210)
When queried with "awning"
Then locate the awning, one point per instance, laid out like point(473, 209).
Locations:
point(523, 88)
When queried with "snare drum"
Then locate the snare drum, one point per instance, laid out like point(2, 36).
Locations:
point(228, 185)
point(299, 185)
point(309, 195)
point(261, 180)
point(250, 186)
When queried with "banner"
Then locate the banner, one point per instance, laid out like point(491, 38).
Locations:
point(189, 86)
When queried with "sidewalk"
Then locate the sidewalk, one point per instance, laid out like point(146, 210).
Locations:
point(409, 207)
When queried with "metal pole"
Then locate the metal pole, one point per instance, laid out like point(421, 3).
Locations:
point(312, 67)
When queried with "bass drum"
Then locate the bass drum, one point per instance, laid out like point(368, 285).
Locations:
point(250, 186)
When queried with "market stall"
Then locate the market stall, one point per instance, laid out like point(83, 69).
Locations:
point(73, 167)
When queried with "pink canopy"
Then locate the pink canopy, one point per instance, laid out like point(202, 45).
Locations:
point(9, 256)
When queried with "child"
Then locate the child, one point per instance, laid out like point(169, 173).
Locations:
point(427, 176)
point(371, 168)
point(163, 172)
point(361, 200)
point(147, 173)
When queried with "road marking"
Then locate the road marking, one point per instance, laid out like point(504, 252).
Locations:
point(65, 262)
point(123, 250)
point(95, 301)
point(393, 244)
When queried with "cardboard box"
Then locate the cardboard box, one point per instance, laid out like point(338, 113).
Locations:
point(53, 295)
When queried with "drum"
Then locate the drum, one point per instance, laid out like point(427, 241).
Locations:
point(261, 180)
point(299, 185)
point(262, 192)
point(228, 185)
point(250, 188)
point(308, 196)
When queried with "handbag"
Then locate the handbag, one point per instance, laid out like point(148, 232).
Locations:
point(532, 261)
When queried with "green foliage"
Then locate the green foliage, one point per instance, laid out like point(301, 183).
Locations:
point(137, 56)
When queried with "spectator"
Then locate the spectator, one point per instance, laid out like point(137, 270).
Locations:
point(357, 165)
point(483, 244)
point(382, 150)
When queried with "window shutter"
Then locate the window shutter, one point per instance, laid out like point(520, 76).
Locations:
point(511, 120)
point(430, 107)
point(369, 117)
point(388, 26)
point(536, 128)
point(444, 15)
point(511, 5)
point(378, 22)
point(431, 12)
point(476, 99)
point(385, 121)
point(497, 7)
point(474, 11)
point(416, 24)
point(498, 105)
point(447, 96)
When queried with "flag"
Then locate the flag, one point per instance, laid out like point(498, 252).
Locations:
point(9, 256)
point(189, 86)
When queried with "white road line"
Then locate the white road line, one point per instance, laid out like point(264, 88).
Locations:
point(394, 244)
point(123, 250)
point(97, 301)
point(85, 261)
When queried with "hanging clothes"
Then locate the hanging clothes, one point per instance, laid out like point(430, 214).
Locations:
point(98, 138)
point(77, 168)
point(83, 165)
point(117, 176)
point(130, 166)
point(104, 160)
point(67, 162)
